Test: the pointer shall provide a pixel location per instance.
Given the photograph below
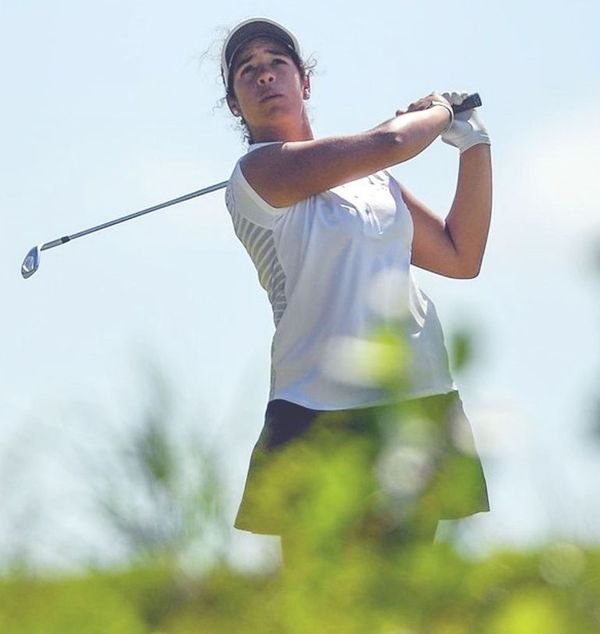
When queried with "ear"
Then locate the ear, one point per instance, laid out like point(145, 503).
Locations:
point(234, 107)
point(306, 87)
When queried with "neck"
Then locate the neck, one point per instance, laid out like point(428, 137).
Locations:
point(299, 130)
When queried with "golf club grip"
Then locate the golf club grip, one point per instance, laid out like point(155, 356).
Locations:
point(472, 101)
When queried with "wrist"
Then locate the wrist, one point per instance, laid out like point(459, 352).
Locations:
point(448, 109)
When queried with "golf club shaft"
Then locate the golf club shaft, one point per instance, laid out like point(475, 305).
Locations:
point(110, 223)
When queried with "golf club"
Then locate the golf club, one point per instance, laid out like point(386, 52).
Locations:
point(31, 263)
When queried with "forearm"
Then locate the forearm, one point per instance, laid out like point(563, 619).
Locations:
point(329, 161)
point(405, 136)
point(284, 174)
point(468, 221)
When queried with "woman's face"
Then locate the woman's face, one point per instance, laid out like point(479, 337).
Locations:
point(267, 87)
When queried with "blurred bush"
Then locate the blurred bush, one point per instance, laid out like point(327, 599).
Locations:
point(418, 589)
point(158, 485)
point(357, 510)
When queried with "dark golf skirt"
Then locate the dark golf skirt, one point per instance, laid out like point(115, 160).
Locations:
point(458, 471)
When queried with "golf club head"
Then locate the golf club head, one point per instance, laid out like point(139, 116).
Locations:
point(31, 263)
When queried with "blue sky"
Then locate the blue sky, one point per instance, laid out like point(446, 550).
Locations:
point(111, 107)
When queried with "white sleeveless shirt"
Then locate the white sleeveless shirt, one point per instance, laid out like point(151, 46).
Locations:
point(332, 266)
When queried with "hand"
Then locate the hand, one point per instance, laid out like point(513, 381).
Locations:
point(467, 129)
point(424, 103)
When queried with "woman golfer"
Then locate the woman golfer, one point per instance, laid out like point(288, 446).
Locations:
point(324, 223)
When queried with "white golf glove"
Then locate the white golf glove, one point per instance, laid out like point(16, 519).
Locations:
point(467, 129)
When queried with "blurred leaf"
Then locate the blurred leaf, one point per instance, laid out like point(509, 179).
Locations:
point(461, 350)
point(87, 606)
point(533, 610)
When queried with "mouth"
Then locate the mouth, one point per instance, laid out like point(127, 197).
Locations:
point(270, 96)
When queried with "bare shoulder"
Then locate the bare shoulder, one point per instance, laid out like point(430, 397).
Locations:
point(287, 172)
point(277, 172)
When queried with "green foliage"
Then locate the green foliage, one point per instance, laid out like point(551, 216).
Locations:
point(163, 496)
point(82, 606)
point(357, 501)
point(417, 589)
point(359, 558)
point(461, 349)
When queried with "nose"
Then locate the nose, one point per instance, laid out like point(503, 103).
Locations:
point(265, 76)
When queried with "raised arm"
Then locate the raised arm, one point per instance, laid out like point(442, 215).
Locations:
point(454, 246)
point(284, 173)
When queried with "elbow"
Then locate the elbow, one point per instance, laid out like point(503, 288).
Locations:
point(470, 275)
point(398, 139)
point(464, 268)
point(466, 263)
point(468, 271)
point(393, 141)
